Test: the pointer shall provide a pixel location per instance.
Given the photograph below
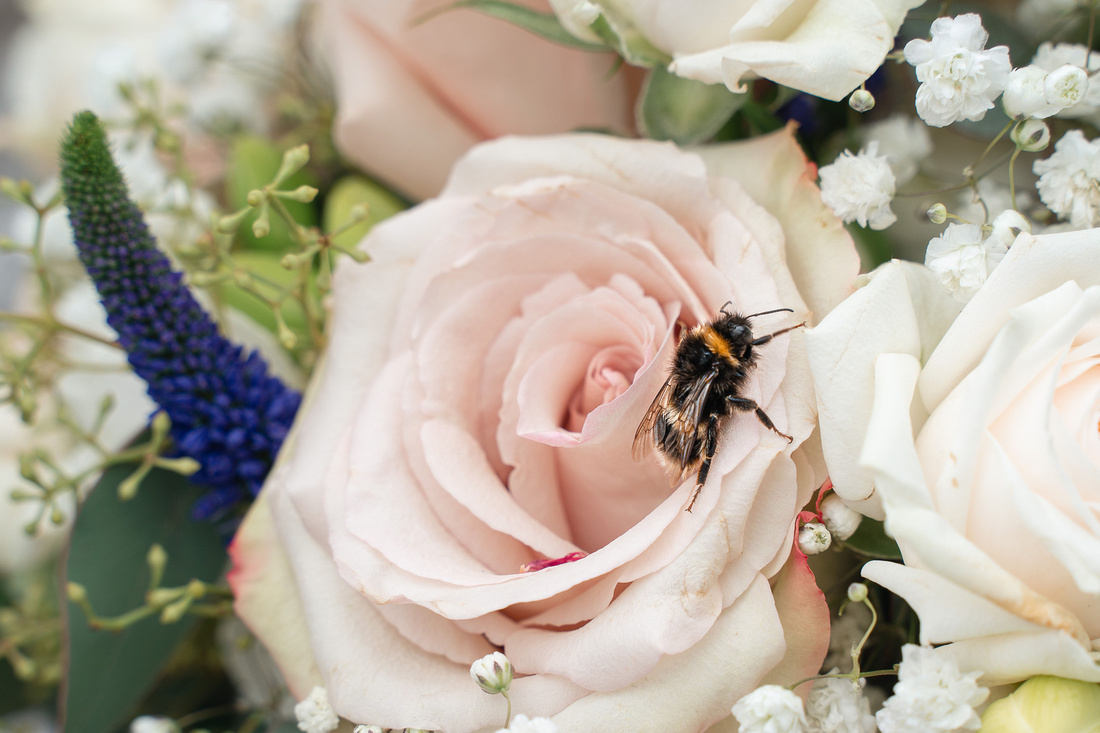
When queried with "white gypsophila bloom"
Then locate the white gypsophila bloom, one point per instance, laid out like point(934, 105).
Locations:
point(931, 695)
point(841, 520)
point(814, 538)
point(315, 714)
point(1025, 94)
point(1066, 86)
point(962, 258)
point(522, 724)
point(959, 77)
point(770, 709)
point(837, 706)
point(904, 142)
point(1050, 56)
point(1069, 180)
point(860, 188)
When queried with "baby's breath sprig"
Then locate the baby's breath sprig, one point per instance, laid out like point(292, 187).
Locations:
point(30, 634)
point(311, 262)
point(170, 604)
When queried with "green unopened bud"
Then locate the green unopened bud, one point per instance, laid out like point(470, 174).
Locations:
point(21, 191)
point(22, 495)
point(57, 517)
point(1031, 135)
point(77, 593)
point(492, 673)
point(262, 226)
point(128, 487)
point(937, 213)
point(293, 161)
point(206, 279)
point(24, 667)
point(162, 596)
point(229, 223)
point(156, 558)
point(174, 611)
point(861, 100)
point(27, 464)
point(357, 254)
point(286, 336)
point(294, 261)
point(255, 198)
point(359, 212)
point(161, 424)
point(1046, 705)
point(305, 194)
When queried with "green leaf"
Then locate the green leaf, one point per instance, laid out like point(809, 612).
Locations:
point(108, 673)
point(683, 110)
point(871, 540)
point(545, 25)
point(350, 191)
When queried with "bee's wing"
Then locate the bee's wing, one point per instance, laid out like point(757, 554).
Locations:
point(643, 436)
point(687, 422)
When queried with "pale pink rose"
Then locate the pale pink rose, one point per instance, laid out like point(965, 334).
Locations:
point(412, 98)
point(475, 412)
point(976, 434)
point(823, 47)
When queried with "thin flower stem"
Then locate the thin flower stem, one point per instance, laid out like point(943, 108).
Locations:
point(1012, 176)
point(508, 714)
point(56, 325)
point(992, 143)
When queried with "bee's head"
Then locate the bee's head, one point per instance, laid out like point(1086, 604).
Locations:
point(737, 331)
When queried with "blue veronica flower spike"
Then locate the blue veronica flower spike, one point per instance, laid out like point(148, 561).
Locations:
point(227, 411)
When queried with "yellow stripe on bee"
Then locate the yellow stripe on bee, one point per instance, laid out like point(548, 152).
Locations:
point(716, 343)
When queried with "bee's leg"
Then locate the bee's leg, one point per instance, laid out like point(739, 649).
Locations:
point(745, 405)
point(708, 454)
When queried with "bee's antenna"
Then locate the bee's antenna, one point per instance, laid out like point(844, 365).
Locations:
point(780, 332)
point(764, 313)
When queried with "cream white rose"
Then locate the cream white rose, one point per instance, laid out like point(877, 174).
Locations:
point(975, 433)
point(474, 414)
point(823, 47)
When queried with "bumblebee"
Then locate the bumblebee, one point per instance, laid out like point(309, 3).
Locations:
point(712, 363)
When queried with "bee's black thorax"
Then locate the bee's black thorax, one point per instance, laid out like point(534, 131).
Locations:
point(720, 347)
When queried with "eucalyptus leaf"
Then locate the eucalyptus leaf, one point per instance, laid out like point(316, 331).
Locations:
point(544, 25)
point(108, 673)
point(683, 110)
point(872, 541)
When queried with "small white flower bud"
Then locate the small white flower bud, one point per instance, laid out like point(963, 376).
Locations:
point(1031, 136)
point(937, 214)
point(492, 673)
point(1066, 86)
point(153, 724)
point(857, 592)
point(814, 538)
point(841, 520)
point(369, 729)
point(861, 100)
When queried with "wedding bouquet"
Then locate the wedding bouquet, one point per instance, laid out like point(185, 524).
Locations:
point(551, 366)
